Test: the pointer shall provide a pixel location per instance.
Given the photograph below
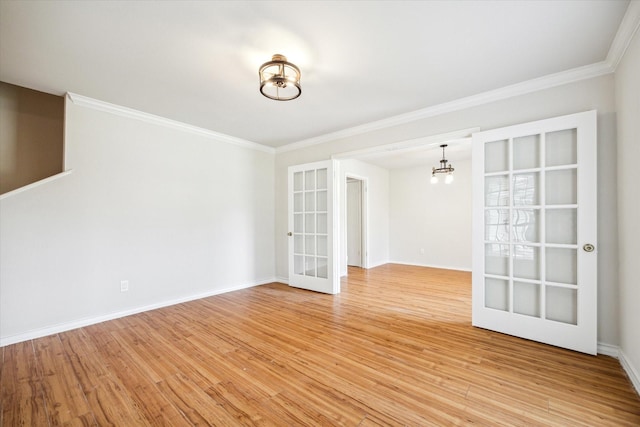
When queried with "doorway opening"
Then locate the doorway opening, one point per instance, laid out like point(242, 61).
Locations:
point(355, 222)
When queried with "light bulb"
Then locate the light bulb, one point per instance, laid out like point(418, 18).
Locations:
point(448, 179)
point(434, 179)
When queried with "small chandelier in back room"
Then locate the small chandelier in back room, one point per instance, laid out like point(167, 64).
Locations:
point(444, 168)
point(279, 79)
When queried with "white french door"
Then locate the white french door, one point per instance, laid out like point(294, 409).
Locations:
point(312, 222)
point(534, 231)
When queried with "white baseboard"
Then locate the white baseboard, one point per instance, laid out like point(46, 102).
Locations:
point(632, 373)
point(444, 267)
point(67, 326)
point(615, 351)
point(608, 350)
point(376, 264)
point(282, 279)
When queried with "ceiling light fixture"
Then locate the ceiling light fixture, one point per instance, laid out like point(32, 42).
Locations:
point(279, 79)
point(444, 168)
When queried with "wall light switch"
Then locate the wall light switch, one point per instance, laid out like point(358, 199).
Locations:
point(124, 286)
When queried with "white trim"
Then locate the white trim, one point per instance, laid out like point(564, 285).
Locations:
point(628, 27)
point(35, 184)
point(377, 265)
point(534, 85)
point(282, 279)
point(608, 350)
point(95, 104)
point(616, 352)
point(67, 326)
point(630, 370)
point(442, 267)
point(451, 138)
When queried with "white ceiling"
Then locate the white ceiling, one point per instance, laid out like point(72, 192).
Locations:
point(196, 62)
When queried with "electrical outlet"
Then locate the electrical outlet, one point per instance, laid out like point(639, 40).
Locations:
point(124, 285)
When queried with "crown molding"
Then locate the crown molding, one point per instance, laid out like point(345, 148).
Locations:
point(628, 27)
point(95, 104)
point(534, 85)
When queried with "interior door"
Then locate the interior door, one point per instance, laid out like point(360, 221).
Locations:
point(354, 222)
point(312, 227)
point(534, 231)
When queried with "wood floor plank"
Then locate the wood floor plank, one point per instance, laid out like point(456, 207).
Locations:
point(65, 400)
point(395, 347)
point(22, 398)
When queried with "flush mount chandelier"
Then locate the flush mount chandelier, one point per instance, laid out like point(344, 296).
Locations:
point(279, 79)
point(444, 168)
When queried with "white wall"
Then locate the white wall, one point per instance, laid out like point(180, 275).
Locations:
point(430, 224)
point(596, 93)
point(377, 221)
point(628, 108)
point(177, 214)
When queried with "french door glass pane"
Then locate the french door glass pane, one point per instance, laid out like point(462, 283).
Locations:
point(562, 265)
point(322, 179)
point(496, 227)
point(526, 152)
point(322, 245)
point(562, 187)
point(321, 206)
point(297, 181)
point(310, 180)
point(526, 262)
point(496, 294)
point(496, 190)
point(322, 223)
point(298, 244)
point(309, 266)
point(562, 305)
point(322, 268)
point(561, 226)
point(309, 201)
point(526, 298)
point(297, 202)
point(310, 223)
point(297, 223)
point(526, 225)
point(496, 259)
point(496, 156)
point(561, 148)
point(298, 261)
point(310, 245)
point(526, 189)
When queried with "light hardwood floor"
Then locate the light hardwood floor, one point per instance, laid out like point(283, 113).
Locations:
point(396, 347)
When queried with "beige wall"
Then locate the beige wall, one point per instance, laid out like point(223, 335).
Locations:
point(628, 108)
point(430, 224)
point(31, 136)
